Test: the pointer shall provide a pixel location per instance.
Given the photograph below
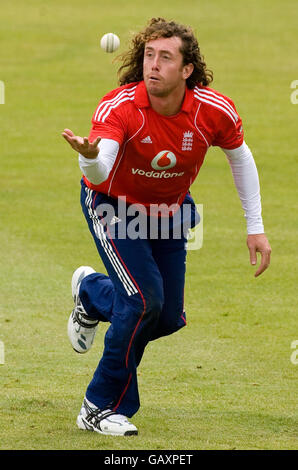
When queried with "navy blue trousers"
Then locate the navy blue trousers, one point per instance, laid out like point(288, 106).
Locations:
point(142, 298)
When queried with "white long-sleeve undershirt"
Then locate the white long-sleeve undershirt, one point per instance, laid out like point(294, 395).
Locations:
point(246, 180)
point(241, 161)
point(98, 169)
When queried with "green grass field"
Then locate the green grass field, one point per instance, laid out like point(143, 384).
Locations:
point(226, 381)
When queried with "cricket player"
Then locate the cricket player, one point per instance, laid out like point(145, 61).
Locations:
point(148, 140)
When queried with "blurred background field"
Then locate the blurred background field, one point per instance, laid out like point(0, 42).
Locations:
point(226, 381)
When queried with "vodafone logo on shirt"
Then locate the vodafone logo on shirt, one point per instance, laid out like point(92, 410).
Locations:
point(164, 160)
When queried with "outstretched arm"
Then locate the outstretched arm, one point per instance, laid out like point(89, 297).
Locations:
point(247, 183)
point(96, 159)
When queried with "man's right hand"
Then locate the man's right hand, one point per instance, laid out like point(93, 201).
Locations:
point(82, 144)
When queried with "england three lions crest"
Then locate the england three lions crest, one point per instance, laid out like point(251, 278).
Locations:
point(187, 141)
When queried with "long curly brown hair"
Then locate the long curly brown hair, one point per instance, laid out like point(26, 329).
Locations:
point(132, 60)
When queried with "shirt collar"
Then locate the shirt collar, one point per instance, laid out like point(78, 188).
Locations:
point(142, 101)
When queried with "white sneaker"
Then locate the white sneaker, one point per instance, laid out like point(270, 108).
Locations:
point(105, 422)
point(81, 328)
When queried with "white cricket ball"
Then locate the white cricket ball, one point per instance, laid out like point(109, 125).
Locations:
point(110, 42)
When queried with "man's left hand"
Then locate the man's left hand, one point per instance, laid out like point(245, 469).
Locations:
point(259, 244)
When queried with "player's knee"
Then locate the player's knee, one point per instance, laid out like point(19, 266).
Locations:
point(154, 301)
point(149, 302)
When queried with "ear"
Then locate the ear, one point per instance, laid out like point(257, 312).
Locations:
point(187, 71)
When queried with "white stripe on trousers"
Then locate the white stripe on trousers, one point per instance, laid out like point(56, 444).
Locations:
point(107, 247)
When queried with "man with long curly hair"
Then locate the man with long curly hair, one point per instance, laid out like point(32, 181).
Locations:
point(147, 143)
